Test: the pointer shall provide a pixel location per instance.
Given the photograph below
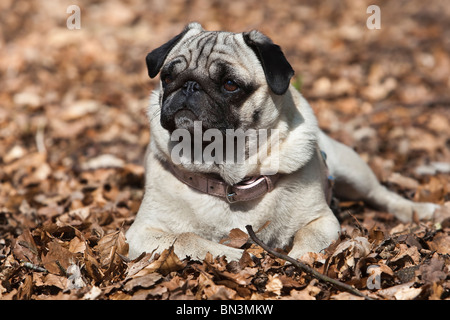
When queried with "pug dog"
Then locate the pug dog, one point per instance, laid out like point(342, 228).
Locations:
point(227, 82)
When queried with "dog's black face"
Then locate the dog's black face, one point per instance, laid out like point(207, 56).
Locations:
point(214, 98)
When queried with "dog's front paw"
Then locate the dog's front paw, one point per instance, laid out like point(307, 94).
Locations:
point(191, 245)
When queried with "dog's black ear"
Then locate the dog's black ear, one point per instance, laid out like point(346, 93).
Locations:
point(156, 58)
point(277, 69)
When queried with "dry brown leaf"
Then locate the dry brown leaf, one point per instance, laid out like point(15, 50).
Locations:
point(166, 263)
point(274, 285)
point(146, 281)
point(376, 235)
point(119, 295)
point(25, 248)
point(58, 258)
point(79, 109)
point(346, 255)
point(219, 293)
point(243, 277)
point(93, 293)
point(407, 256)
point(436, 291)
point(109, 245)
point(345, 296)
point(308, 293)
point(246, 260)
point(76, 245)
point(407, 293)
point(92, 266)
point(236, 238)
point(170, 262)
point(358, 247)
point(25, 290)
point(138, 264)
point(434, 271)
point(54, 280)
point(431, 192)
point(401, 290)
point(440, 243)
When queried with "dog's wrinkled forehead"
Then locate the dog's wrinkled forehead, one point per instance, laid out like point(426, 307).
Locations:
point(209, 50)
point(244, 55)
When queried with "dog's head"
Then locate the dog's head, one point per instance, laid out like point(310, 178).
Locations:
point(225, 80)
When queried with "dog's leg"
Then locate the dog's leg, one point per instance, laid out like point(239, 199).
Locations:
point(142, 238)
point(354, 180)
point(315, 236)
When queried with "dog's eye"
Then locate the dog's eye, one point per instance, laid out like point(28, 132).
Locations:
point(230, 86)
point(167, 79)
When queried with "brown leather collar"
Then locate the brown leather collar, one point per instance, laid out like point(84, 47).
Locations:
point(248, 189)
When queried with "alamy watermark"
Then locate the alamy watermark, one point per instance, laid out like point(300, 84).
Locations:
point(374, 21)
point(74, 20)
point(213, 146)
point(374, 279)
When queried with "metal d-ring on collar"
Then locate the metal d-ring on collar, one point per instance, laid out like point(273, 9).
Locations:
point(229, 195)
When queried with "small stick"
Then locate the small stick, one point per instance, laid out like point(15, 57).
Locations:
point(33, 267)
point(304, 267)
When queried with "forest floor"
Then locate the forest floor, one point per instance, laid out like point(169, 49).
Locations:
point(73, 133)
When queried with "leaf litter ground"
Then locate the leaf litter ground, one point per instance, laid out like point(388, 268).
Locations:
point(73, 133)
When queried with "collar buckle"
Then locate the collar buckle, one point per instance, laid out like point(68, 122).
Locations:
point(229, 195)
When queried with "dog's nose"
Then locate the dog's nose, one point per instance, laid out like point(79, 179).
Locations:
point(191, 86)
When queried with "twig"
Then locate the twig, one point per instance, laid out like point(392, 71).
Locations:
point(33, 267)
point(61, 268)
point(305, 268)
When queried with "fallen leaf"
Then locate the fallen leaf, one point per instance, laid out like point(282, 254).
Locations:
point(138, 264)
point(79, 109)
point(93, 293)
point(345, 296)
point(109, 245)
point(25, 248)
point(404, 291)
point(430, 192)
point(358, 247)
point(57, 259)
point(308, 293)
point(407, 256)
point(407, 293)
point(164, 264)
point(219, 293)
point(433, 271)
point(274, 285)
point(92, 266)
point(236, 238)
point(76, 245)
point(25, 290)
point(145, 281)
point(49, 279)
point(103, 161)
